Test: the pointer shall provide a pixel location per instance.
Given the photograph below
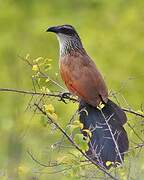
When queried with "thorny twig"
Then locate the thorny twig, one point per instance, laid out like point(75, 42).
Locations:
point(43, 74)
point(40, 163)
point(133, 112)
point(135, 132)
point(70, 121)
point(59, 96)
point(73, 143)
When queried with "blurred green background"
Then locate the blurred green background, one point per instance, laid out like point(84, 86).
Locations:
point(113, 34)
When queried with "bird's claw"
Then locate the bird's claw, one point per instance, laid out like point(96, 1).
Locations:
point(63, 96)
point(66, 94)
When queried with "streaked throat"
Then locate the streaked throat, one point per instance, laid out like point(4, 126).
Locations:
point(69, 43)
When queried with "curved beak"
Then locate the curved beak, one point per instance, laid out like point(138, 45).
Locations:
point(53, 29)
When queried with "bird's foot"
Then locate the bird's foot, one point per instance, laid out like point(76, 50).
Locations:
point(63, 96)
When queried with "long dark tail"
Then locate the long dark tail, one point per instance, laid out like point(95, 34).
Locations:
point(109, 139)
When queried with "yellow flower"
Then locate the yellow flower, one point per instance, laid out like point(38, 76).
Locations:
point(77, 123)
point(88, 132)
point(22, 169)
point(27, 56)
point(108, 163)
point(50, 60)
point(47, 80)
point(38, 59)
point(100, 106)
point(45, 90)
point(35, 67)
point(53, 116)
point(49, 108)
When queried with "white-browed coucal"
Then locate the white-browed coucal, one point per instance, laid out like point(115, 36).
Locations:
point(109, 140)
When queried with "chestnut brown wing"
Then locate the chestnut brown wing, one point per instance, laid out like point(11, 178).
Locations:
point(83, 79)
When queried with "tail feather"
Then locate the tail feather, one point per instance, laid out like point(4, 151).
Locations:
point(109, 139)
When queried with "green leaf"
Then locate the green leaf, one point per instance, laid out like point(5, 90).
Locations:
point(49, 108)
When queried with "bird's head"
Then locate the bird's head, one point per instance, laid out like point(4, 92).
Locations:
point(67, 30)
point(67, 36)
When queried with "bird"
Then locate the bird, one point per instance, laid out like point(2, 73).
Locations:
point(101, 116)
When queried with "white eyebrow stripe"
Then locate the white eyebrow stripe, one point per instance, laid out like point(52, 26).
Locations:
point(68, 27)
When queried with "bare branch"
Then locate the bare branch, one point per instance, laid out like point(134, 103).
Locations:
point(133, 112)
point(135, 132)
point(41, 164)
point(43, 74)
point(59, 95)
point(73, 143)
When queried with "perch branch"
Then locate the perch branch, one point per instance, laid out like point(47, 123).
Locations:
point(58, 95)
point(133, 112)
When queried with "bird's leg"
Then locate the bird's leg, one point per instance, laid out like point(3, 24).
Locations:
point(64, 95)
